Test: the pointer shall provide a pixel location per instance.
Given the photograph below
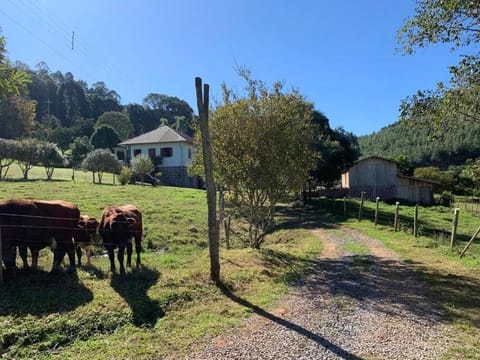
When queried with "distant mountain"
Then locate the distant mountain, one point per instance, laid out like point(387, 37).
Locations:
point(451, 147)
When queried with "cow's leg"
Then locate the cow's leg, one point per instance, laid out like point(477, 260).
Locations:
point(138, 248)
point(58, 256)
point(121, 250)
point(111, 256)
point(88, 252)
point(34, 253)
point(129, 253)
point(78, 250)
point(71, 258)
point(22, 250)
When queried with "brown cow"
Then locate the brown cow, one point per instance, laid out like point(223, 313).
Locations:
point(83, 237)
point(37, 224)
point(117, 226)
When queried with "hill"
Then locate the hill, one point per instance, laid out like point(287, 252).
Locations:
point(451, 146)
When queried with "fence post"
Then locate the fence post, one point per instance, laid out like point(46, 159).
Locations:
point(470, 242)
point(344, 207)
point(395, 224)
point(376, 210)
point(415, 221)
point(454, 227)
point(360, 210)
point(1, 257)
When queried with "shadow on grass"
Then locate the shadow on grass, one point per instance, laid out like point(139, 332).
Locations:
point(40, 293)
point(133, 288)
point(335, 349)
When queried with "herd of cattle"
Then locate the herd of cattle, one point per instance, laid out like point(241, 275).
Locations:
point(35, 224)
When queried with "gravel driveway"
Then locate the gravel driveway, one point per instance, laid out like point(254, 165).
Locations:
point(352, 306)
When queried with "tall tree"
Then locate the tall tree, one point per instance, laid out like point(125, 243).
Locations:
point(262, 149)
point(105, 137)
point(455, 22)
point(17, 117)
point(119, 121)
point(13, 82)
point(72, 101)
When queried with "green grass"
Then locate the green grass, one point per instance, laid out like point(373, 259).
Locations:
point(163, 308)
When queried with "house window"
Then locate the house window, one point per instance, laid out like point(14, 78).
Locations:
point(166, 152)
point(120, 155)
point(137, 152)
point(151, 154)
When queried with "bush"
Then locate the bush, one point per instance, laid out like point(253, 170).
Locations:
point(446, 198)
point(125, 175)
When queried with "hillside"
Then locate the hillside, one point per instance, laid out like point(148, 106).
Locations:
point(451, 147)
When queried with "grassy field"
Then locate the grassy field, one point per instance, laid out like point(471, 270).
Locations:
point(454, 283)
point(163, 308)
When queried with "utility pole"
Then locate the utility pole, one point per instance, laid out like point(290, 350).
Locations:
point(48, 106)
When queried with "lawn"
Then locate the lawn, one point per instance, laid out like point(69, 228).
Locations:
point(163, 308)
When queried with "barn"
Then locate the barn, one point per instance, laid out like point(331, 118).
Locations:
point(377, 176)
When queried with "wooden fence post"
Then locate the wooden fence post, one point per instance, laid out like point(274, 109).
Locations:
point(344, 207)
point(360, 209)
point(470, 242)
point(415, 221)
point(376, 210)
point(395, 224)
point(454, 227)
point(1, 258)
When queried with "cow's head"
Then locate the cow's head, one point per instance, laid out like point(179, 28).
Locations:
point(87, 227)
point(120, 227)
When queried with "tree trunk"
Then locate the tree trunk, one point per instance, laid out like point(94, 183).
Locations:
point(213, 227)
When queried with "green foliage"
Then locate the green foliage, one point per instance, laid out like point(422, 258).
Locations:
point(454, 22)
point(445, 179)
point(452, 146)
point(27, 154)
point(17, 116)
point(125, 175)
point(50, 157)
point(100, 161)
point(79, 149)
point(337, 150)
point(13, 82)
point(7, 153)
point(118, 121)
point(262, 150)
point(104, 137)
point(141, 165)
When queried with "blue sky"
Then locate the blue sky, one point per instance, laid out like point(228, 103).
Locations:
point(340, 54)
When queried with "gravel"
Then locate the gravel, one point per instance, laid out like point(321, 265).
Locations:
point(349, 307)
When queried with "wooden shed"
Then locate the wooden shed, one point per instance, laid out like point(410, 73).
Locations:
point(377, 176)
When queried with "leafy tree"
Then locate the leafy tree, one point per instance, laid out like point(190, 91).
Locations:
point(455, 22)
point(13, 82)
point(50, 156)
point(337, 149)
point(99, 161)
point(118, 121)
point(141, 166)
point(445, 179)
point(7, 153)
point(164, 106)
point(262, 150)
point(80, 147)
point(72, 101)
point(17, 116)
point(104, 137)
point(27, 155)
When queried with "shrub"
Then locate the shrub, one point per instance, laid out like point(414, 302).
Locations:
point(125, 175)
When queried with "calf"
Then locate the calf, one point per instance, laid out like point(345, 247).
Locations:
point(83, 237)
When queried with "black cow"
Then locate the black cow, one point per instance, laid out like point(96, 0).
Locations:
point(83, 237)
point(117, 226)
point(36, 224)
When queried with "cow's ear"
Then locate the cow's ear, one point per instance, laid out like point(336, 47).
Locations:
point(131, 221)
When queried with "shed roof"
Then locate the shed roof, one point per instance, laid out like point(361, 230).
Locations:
point(162, 134)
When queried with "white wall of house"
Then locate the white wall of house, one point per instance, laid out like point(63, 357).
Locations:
point(182, 153)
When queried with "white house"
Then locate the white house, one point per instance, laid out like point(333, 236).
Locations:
point(170, 150)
